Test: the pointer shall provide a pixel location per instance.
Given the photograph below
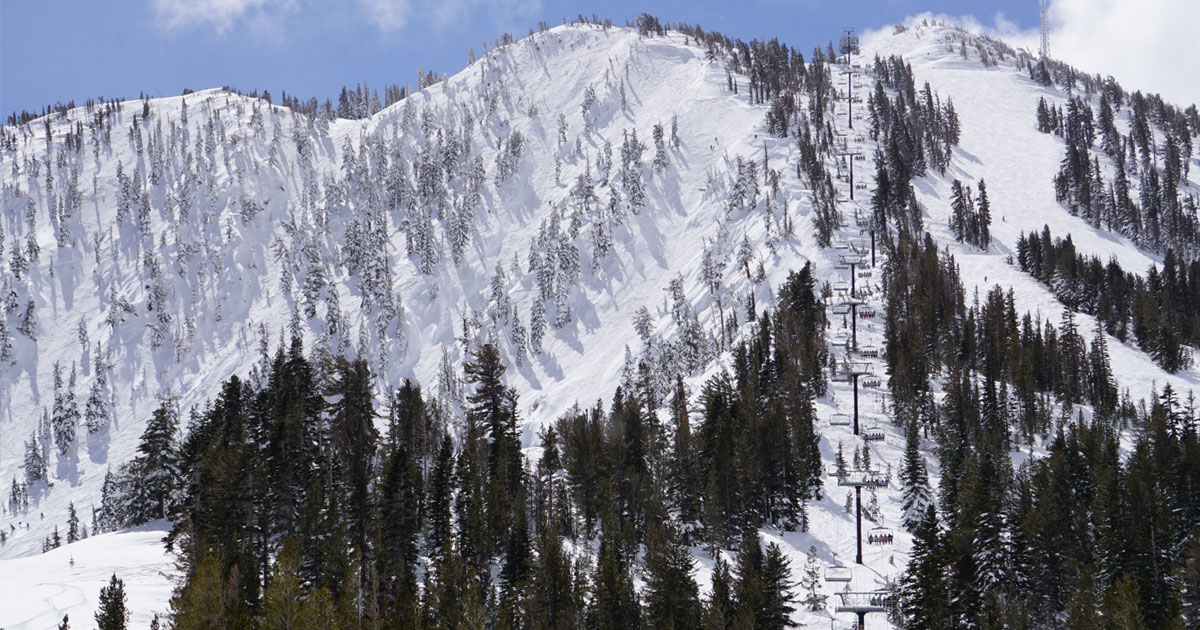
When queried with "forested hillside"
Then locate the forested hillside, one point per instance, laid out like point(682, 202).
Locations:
point(897, 330)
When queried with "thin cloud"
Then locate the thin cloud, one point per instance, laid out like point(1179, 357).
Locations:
point(220, 15)
point(386, 15)
point(263, 17)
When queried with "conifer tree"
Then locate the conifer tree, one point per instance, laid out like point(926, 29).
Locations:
point(924, 599)
point(112, 614)
point(763, 588)
point(35, 461)
point(614, 601)
point(914, 480)
point(155, 469)
point(983, 211)
point(65, 415)
point(810, 582)
point(284, 596)
point(73, 533)
point(354, 442)
point(671, 596)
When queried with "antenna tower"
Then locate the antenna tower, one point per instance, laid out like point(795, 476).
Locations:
point(1045, 49)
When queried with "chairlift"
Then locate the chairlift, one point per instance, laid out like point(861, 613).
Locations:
point(839, 420)
point(872, 434)
point(880, 536)
point(871, 383)
point(841, 286)
point(868, 352)
point(838, 573)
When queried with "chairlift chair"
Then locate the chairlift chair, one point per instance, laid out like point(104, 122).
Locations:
point(838, 573)
point(880, 536)
point(839, 420)
point(873, 434)
point(869, 352)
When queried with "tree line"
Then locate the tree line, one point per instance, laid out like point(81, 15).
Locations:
point(288, 503)
point(1159, 312)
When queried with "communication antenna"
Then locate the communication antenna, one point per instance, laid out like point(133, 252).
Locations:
point(1045, 49)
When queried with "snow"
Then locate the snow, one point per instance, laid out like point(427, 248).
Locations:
point(39, 590)
point(581, 362)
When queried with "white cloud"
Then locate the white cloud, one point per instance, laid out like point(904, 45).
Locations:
point(263, 17)
point(1147, 45)
point(219, 14)
point(386, 15)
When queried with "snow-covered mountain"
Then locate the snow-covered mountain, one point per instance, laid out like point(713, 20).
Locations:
point(181, 239)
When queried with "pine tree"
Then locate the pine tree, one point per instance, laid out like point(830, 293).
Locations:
point(200, 604)
point(958, 211)
point(810, 582)
point(73, 533)
point(1189, 583)
point(96, 414)
point(6, 347)
point(112, 614)
point(660, 149)
point(354, 439)
point(614, 600)
point(552, 603)
point(438, 500)
point(155, 468)
point(763, 588)
point(924, 600)
point(719, 609)
point(65, 415)
point(983, 213)
point(1121, 605)
point(35, 462)
point(671, 596)
point(284, 596)
point(914, 480)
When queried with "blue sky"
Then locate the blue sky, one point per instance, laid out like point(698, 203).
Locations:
point(58, 50)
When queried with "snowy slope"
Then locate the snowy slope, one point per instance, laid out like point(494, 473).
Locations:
point(39, 590)
point(224, 273)
point(1000, 143)
point(234, 283)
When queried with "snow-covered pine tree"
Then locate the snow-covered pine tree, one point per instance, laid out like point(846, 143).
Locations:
point(660, 149)
point(631, 171)
point(6, 346)
point(810, 582)
point(155, 468)
point(35, 462)
point(28, 323)
point(537, 326)
point(62, 420)
point(73, 532)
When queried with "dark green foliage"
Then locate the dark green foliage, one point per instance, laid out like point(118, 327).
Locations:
point(1160, 311)
point(111, 613)
point(763, 589)
point(671, 596)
